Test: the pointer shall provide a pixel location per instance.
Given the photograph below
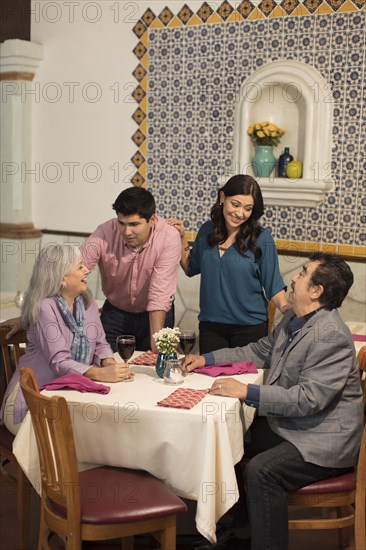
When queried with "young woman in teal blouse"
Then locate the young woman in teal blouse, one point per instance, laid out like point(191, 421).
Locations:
point(238, 263)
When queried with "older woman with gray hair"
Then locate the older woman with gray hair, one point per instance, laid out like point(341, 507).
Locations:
point(65, 335)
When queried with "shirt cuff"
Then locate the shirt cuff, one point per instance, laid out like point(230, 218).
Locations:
point(209, 358)
point(252, 396)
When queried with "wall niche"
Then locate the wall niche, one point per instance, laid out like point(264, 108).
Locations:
point(296, 97)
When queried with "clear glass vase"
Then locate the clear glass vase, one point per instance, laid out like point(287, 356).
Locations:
point(173, 373)
point(161, 360)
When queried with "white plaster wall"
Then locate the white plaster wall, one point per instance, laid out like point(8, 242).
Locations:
point(84, 60)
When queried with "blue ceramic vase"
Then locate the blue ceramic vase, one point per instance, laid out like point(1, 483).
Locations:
point(263, 161)
point(161, 360)
point(283, 161)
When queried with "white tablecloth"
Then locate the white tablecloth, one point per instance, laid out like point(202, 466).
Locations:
point(193, 451)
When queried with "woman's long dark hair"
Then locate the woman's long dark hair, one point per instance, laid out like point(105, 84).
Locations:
point(249, 231)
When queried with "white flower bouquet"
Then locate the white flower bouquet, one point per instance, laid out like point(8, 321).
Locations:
point(167, 340)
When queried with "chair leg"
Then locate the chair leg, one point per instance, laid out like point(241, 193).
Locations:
point(342, 533)
point(168, 537)
point(44, 533)
point(24, 496)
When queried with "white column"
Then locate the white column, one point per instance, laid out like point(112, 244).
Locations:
point(19, 60)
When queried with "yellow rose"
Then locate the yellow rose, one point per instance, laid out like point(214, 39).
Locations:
point(260, 134)
point(258, 126)
point(272, 127)
point(267, 132)
point(250, 129)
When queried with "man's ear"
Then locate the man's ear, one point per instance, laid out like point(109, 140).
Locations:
point(153, 219)
point(318, 290)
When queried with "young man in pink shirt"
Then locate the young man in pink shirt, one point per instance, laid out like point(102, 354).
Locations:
point(138, 256)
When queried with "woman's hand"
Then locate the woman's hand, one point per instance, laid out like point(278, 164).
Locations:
point(108, 361)
point(110, 373)
point(229, 387)
point(280, 301)
point(178, 225)
point(285, 307)
point(192, 362)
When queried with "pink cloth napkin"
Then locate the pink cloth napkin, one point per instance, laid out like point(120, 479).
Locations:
point(359, 337)
point(183, 398)
point(76, 382)
point(246, 367)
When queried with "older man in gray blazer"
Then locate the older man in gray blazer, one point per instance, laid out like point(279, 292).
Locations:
point(309, 411)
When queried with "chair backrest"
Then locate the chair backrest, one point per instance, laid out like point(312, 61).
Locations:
point(56, 450)
point(11, 352)
point(271, 312)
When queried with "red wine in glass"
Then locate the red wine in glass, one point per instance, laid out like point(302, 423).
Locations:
point(126, 344)
point(187, 340)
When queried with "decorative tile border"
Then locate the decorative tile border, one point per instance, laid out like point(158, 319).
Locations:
point(290, 11)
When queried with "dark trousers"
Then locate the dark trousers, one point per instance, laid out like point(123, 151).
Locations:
point(275, 468)
point(221, 335)
point(116, 322)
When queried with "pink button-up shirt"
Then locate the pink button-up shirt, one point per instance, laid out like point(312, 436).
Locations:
point(135, 280)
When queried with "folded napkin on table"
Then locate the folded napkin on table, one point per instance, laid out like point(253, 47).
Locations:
point(76, 382)
point(183, 398)
point(246, 367)
point(359, 337)
point(147, 359)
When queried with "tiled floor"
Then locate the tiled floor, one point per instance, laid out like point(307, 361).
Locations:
point(299, 540)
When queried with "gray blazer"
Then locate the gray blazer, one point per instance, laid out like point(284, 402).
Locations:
point(312, 395)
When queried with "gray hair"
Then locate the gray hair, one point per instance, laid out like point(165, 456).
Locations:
point(53, 262)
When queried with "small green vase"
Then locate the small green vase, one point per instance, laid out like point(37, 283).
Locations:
point(263, 161)
point(161, 360)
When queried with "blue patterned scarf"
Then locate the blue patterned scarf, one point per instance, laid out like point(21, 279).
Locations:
point(80, 347)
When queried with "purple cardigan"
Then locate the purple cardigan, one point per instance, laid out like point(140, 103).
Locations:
point(48, 350)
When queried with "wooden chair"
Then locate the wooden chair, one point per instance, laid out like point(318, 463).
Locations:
point(98, 504)
point(10, 471)
point(346, 493)
point(271, 312)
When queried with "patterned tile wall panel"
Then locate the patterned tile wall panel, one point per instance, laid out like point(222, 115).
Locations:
point(194, 72)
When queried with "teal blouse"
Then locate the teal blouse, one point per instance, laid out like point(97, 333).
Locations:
point(233, 289)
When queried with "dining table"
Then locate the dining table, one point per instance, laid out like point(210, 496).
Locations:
point(193, 451)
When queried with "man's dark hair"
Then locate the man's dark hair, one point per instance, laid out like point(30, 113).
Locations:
point(334, 275)
point(135, 200)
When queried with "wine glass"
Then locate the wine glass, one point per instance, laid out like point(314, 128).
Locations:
point(187, 340)
point(126, 344)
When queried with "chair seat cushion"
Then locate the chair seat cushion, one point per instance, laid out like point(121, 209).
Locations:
point(120, 495)
point(339, 484)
